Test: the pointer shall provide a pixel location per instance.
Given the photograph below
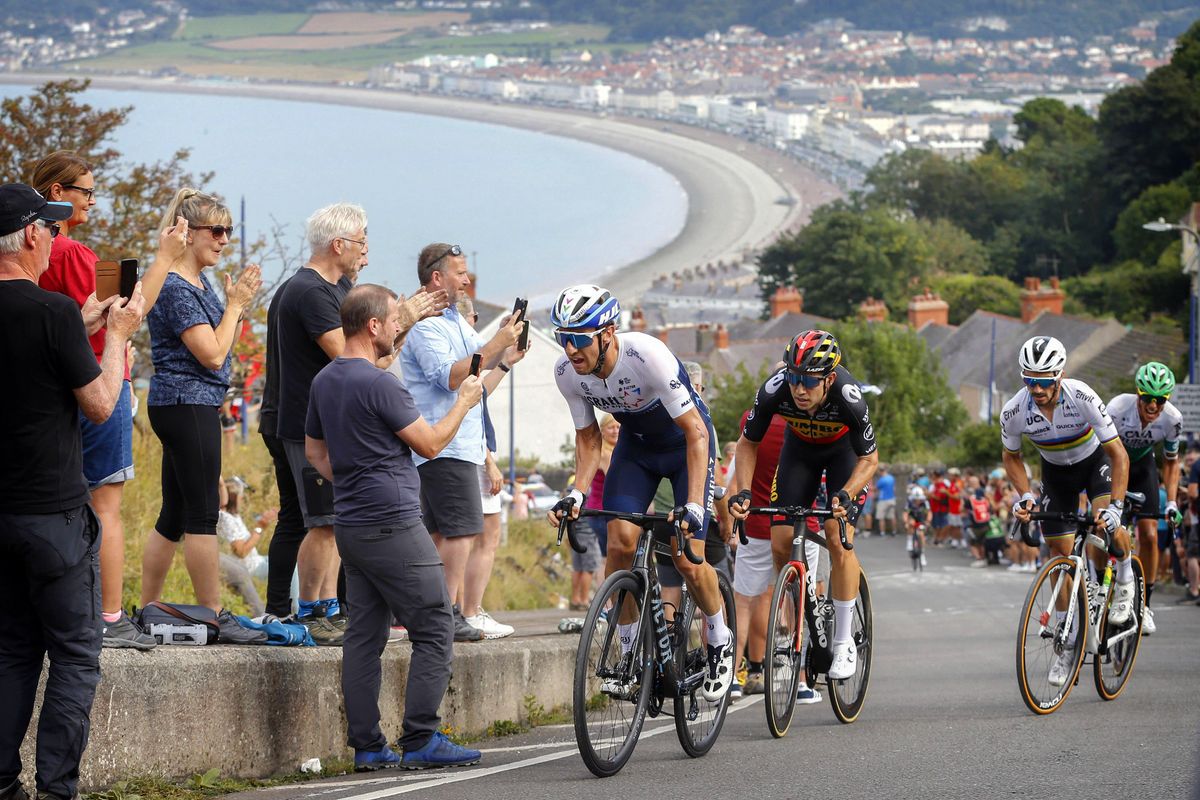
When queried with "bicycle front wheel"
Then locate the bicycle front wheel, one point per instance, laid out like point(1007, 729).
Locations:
point(781, 667)
point(698, 721)
point(1119, 644)
point(1049, 657)
point(611, 688)
point(847, 696)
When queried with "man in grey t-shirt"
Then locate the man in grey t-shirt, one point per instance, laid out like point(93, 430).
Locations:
point(361, 431)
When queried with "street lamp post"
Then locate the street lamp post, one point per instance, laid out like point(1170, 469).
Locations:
point(1191, 267)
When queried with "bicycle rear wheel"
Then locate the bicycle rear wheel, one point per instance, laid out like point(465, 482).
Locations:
point(1039, 643)
point(698, 721)
point(1119, 644)
point(847, 696)
point(611, 692)
point(781, 666)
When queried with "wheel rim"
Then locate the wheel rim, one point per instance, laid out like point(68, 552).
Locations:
point(1119, 645)
point(848, 695)
point(1043, 639)
point(782, 660)
point(698, 733)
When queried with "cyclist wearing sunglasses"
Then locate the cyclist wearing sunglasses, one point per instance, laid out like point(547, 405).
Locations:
point(666, 433)
point(1081, 452)
point(1143, 420)
point(830, 432)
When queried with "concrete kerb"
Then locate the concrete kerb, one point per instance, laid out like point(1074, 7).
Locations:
point(260, 711)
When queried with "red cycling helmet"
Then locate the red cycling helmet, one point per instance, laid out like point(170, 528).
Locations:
point(812, 352)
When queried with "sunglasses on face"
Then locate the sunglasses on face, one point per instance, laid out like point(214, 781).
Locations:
point(807, 381)
point(1039, 383)
point(217, 230)
point(1150, 399)
point(53, 227)
point(576, 340)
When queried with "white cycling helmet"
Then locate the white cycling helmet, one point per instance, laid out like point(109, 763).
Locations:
point(1043, 354)
point(584, 306)
point(915, 492)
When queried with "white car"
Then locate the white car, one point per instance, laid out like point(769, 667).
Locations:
point(541, 497)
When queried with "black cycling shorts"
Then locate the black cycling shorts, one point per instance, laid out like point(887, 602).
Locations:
point(798, 477)
point(1143, 477)
point(1063, 483)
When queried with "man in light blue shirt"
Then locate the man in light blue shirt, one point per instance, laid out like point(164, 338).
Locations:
point(885, 502)
point(435, 360)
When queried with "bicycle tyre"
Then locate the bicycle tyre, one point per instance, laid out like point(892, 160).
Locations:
point(1035, 651)
point(847, 696)
point(781, 664)
point(606, 727)
point(1113, 664)
point(697, 736)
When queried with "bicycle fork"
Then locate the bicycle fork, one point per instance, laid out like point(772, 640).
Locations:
point(1050, 626)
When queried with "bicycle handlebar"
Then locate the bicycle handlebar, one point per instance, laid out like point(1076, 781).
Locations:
point(794, 514)
point(644, 521)
point(564, 526)
point(1134, 502)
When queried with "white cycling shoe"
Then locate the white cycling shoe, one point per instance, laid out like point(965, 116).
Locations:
point(1122, 604)
point(720, 671)
point(1060, 670)
point(845, 661)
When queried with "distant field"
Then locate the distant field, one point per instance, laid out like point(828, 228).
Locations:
point(360, 22)
point(227, 27)
point(332, 41)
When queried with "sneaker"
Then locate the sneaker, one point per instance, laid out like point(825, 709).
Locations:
point(735, 692)
point(1148, 626)
point(371, 760)
point(806, 695)
point(490, 627)
point(1122, 604)
point(924, 563)
point(845, 661)
point(124, 633)
point(720, 671)
point(979, 562)
point(439, 751)
point(620, 684)
point(397, 633)
point(1060, 670)
point(339, 621)
point(15, 790)
point(1015, 567)
point(1188, 597)
point(233, 632)
point(322, 631)
point(465, 631)
point(754, 683)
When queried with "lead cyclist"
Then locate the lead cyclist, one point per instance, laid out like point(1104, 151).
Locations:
point(666, 433)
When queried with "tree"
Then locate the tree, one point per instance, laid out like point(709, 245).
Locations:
point(732, 394)
point(952, 249)
point(1133, 242)
point(966, 293)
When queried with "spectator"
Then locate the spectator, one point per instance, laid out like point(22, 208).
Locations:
point(955, 498)
point(246, 563)
point(362, 428)
point(593, 531)
point(191, 337)
point(885, 505)
point(484, 546)
point(108, 448)
point(435, 361)
point(307, 332)
point(49, 535)
point(939, 504)
point(979, 517)
point(1190, 557)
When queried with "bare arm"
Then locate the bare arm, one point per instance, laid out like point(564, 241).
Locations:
point(332, 342)
point(97, 399)
point(863, 471)
point(428, 440)
point(492, 352)
point(211, 346)
point(317, 453)
point(1119, 459)
point(695, 432)
point(588, 446)
point(1014, 468)
point(171, 245)
point(745, 459)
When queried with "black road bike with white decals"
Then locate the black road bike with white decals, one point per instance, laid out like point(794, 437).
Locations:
point(662, 667)
point(792, 647)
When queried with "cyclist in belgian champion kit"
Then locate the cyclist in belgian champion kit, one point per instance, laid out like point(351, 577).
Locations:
point(1081, 452)
point(1143, 420)
point(665, 433)
point(829, 431)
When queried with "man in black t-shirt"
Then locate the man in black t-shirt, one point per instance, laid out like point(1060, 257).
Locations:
point(49, 536)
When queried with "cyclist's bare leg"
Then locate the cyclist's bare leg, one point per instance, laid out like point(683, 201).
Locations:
point(843, 563)
point(1147, 533)
point(1061, 546)
point(781, 544)
point(622, 541)
point(701, 578)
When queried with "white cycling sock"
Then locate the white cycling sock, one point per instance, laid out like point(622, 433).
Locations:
point(1058, 618)
point(718, 631)
point(843, 621)
point(627, 631)
point(1125, 569)
point(812, 555)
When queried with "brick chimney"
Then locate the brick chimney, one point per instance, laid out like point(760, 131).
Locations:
point(471, 288)
point(787, 299)
point(872, 310)
point(721, 337)
point(704, 337)
point(663, 335)
point(637, 320)
point(926, 308)
point(1036, 298)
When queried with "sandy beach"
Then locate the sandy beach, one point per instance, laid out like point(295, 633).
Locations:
point(732, 185)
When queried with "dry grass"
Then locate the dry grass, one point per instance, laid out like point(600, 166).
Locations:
point(324, 42)
point(359, 22)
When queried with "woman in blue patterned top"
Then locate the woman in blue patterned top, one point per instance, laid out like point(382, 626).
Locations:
point(191, 335)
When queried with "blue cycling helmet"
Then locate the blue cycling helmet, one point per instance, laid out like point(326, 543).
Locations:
point(584, 306)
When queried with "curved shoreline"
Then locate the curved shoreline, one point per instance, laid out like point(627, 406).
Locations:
point(731, 184)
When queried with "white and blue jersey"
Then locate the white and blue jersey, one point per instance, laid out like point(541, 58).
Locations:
point(647, 390)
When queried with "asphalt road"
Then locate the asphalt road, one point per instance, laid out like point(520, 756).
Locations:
point(943, 719)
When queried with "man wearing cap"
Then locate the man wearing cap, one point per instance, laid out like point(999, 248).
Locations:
point(49, 536)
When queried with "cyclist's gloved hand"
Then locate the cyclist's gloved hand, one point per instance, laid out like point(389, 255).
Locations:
point(741, 500)
point(1110, 516)
point(1024, 504)
point(691, 517)
point(843, 498)
point(568, 506)
point(1172, 512)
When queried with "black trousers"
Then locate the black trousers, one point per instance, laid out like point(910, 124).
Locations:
point(289, 533)
point(50, 593)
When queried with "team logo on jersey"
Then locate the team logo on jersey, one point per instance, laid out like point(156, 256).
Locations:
point(869, 432)
point(851, 393)
point(562, 368)
point(629, 351)
point(675, 384)
point(774, 382)
point(586, 389)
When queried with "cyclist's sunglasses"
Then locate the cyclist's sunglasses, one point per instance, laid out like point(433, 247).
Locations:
point(573, 338)
point(807, 381)
point(1154, 398)
point(1039, 383)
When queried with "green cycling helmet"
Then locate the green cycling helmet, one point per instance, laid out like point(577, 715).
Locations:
point(1155, 379)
